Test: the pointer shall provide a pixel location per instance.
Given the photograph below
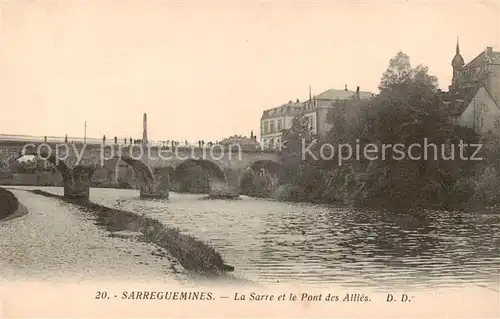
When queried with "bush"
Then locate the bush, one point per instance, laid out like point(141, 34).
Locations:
point(8, 203)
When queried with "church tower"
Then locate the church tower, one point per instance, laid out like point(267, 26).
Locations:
point(145, 129)
point(457, 63)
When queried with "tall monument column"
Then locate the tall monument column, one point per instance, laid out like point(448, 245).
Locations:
point(145, 129)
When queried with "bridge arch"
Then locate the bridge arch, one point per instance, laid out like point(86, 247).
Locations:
point(111, 171)
point(194, 175)
point(262, 177)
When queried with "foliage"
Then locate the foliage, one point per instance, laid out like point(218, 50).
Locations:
point(400, 73)
point(407, 111)
point(259, 184)
point(8, 203)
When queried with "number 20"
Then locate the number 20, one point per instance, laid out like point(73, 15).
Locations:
point(101, 295)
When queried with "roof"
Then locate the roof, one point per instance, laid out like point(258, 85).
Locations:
point(285, 109)
point(490, 55)
point(239, 140)
point(457, 101)
point(321, 100)
point(334, 94)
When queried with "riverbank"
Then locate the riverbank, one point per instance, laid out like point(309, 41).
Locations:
point(194, 255)
point(55, 242)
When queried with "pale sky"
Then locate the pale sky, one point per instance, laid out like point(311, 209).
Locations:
point(207, 70)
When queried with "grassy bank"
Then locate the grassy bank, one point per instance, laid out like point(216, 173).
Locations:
point(194, 255)
point(8, 203)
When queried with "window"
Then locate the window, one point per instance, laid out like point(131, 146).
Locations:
point(311, 124)
point(266, 127)
point(271, 142)
point(273, 127)
point(278, 123)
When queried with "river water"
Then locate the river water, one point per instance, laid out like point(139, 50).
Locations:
point(274, 242)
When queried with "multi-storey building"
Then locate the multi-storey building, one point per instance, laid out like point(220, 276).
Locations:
point(316, 109)
point(473, 99)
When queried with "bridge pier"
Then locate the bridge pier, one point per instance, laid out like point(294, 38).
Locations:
point(77, 182)
point(160, 185)
point(222, 189)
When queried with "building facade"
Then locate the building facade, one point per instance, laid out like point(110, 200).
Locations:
point(243, 141)
point(473, 99)
point(316, 110)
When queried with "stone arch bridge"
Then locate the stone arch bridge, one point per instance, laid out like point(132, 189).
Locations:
point(155, 167)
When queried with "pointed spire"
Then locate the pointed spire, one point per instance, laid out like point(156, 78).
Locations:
point(458, 60)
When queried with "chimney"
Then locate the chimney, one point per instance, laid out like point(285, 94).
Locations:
point(145, 129)
point(345, 87)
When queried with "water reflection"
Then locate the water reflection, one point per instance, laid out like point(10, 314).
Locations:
point(288, 242)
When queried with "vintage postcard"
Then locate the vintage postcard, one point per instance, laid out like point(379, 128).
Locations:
point(249, 159)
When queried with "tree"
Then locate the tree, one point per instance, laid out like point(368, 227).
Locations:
point(45, 139)
point(409, 111)
point(104, 139)
point(116, 140)
point(293, 140)
point(130, 140)
point(400, 74)
point(66, 139)
point(398, 71)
